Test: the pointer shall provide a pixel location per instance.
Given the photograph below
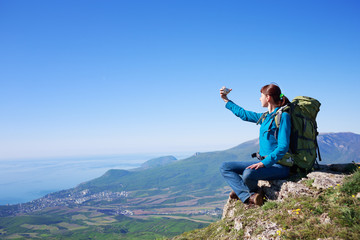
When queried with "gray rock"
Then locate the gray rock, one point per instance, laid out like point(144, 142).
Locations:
point(325, 219)
point(295, 189)
point(279, 190)
point(229, 209)
point(271, 188)
point(323, 180)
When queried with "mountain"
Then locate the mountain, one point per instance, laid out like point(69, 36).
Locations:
point(339, 147)
point(157, 162)
point(191, 189)
point(196, 180)
point(200, 172)
point(175, 187)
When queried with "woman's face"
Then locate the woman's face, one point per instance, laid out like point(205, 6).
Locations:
point(264, 100)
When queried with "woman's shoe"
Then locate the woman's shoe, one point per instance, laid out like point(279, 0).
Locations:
point(256, 199)
point(233, 195)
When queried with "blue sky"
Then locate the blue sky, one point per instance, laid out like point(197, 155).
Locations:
point(81, 78)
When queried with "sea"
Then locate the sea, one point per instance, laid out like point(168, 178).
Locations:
point(24, 180)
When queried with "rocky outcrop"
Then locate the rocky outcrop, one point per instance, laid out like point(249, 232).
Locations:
point(300, 208)
point(314, 182)
point(281, 189)
point(327, 176)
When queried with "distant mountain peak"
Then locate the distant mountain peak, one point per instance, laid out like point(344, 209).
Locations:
point(160, 161)
point(339, 147)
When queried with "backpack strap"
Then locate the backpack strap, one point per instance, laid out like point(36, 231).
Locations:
point(258, 156)
point(261, 119)
point(316, 143)
point(278, 115)
point(277, 119)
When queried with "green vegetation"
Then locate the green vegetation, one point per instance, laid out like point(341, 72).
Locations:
point(157, 162)
point(189, 182)
point(190, 190)
point(351, 186)
point(199, 173)
point(91, 225)
point(333, 213)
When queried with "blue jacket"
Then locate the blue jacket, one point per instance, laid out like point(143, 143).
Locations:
point(273, 149)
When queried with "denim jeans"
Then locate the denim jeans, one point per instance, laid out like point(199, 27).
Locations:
point(244, 181)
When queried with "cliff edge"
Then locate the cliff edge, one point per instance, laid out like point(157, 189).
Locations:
point(324, 204)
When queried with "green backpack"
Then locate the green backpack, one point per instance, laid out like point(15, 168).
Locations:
point(303, 143)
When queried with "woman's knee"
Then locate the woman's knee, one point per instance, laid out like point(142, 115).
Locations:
point(227, 167)
point(249, 174)
point(224, 167)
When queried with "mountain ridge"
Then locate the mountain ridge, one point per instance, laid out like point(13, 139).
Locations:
point(159, 161)
point(332, 149)
point(190, 188)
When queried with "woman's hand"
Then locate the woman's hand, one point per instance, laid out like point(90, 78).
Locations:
point(224, 94)
point(256, 166)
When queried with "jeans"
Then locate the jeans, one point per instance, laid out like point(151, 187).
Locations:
point(246, 184)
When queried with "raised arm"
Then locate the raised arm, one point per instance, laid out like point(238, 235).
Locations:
point(242, 113)
point(237, 110)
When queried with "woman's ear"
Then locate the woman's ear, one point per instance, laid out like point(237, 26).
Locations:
point(268, 98)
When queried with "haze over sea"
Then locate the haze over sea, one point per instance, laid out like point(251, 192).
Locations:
point(28, 179)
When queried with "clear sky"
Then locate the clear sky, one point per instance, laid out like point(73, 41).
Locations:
point(86, 77)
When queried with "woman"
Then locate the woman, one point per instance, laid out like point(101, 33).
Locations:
point(272, 149)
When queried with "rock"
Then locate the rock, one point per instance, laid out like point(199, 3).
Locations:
point(343, 168)
point(293, 188)
point(270, 229)
point(229, 209)
point(271, 188)
point(330, 238)
point(325, 219)
point(279, 190)
point(282, 189)
point(238, 224)
point(323, 180)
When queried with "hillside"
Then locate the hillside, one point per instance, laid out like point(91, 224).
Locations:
point(324, 205)
point(157, 162)
point(188, 176)
point(339, 147)
point(166, 185)
point(191, 190)
point(193, 174)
